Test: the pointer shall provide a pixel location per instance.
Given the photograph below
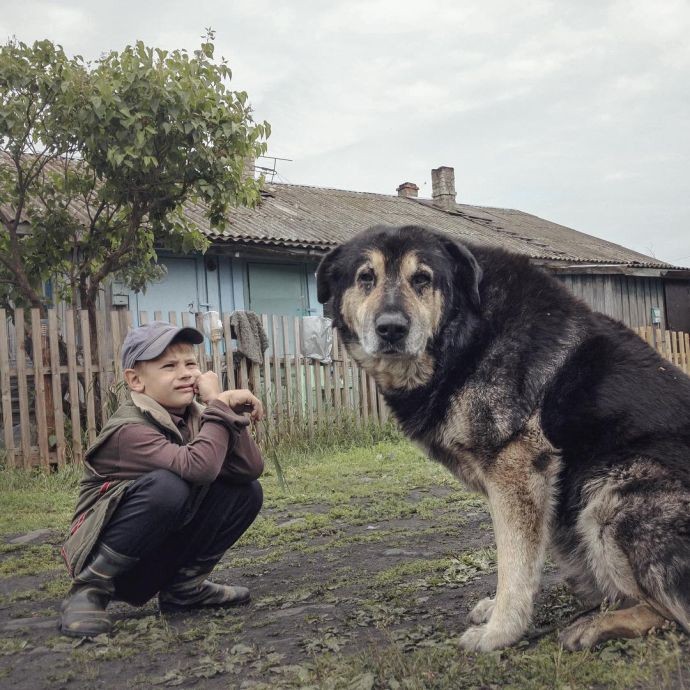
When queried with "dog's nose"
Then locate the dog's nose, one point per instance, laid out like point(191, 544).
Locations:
point(392, 326)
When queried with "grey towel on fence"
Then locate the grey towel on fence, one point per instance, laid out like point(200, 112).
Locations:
point(252, 340)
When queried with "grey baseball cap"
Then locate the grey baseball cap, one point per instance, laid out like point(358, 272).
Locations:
point(149, 341)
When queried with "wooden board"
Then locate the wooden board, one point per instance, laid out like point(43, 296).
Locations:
point(56, 379)
point(40, 389)
point(23, 388)
point(6, 391)
point(73, 381)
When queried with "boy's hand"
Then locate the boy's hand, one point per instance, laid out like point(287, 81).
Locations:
point(208, 387)
point(244, 401)
point(239, 401)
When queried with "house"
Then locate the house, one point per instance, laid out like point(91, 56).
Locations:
point(265, 260)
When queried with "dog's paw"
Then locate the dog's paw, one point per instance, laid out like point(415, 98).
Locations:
point(485, 638)
point(482, 611)
point(582, 634)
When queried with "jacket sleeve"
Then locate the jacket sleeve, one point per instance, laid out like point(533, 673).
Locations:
point(142, 449)
point(243, 462)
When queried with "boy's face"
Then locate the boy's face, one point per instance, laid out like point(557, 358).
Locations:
point(170, 379)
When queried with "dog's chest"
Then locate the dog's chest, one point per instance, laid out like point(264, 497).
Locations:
point(450, 440)
point(450, 445)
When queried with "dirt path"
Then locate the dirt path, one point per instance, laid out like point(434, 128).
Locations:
point(340, 599)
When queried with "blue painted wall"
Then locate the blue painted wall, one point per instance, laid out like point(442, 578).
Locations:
point(214, 282)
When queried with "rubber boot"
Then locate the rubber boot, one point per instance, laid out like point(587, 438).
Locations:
point(190, 588)
point(83, 611)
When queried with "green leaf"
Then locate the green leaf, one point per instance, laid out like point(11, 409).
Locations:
point(142, 131)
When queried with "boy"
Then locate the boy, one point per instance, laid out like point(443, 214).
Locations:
point(169, 486)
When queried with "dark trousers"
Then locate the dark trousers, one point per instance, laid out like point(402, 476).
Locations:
point(167, 524)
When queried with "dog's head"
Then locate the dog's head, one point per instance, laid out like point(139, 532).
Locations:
point(394, 289)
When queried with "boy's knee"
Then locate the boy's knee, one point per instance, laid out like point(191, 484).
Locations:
point(255, 494)
point(166, 492)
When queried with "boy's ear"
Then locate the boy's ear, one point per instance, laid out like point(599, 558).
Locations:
point(133, 380)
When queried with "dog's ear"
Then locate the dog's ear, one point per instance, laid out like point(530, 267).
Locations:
point(468, 273)
point(325, 275)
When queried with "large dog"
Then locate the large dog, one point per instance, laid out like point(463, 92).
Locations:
point(574, 429)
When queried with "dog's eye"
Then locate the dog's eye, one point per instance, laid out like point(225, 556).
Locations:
point(366, 279)
point(420, 280)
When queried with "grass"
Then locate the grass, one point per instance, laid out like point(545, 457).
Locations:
point(331, 609)
point(32, 499)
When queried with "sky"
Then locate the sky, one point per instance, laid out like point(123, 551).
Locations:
point(578, 112)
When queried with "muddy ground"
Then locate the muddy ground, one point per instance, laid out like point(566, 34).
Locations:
point(362, 573)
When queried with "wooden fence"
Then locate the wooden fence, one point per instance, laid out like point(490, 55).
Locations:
point(59, 379)
point(673, 345)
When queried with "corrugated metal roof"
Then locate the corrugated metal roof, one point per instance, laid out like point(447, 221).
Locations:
point(320, 218)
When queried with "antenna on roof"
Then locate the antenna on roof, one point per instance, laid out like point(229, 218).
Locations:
point(273, 170)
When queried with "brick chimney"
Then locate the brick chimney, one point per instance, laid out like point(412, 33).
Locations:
point(409, 189)
point(443, 187)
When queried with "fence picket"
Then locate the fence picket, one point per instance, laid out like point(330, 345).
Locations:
point(196, 321)
point(88, 377)
point(300, 386)
point(681, 351)
point(327, 386)
point(276, 372)
point(216, 361)
point(103, 378)
point(354, 378)
point(255, 375)
point(364, 401)
point(22, 386)
point(56, 380)
point(40, 407)
point(6, 391)
point(308, 371)
point(73, 384)
point(347, 400)
point(318, 390)
point(373, 398)
point(268, 386)
point(117, 346)
point(289, 389)
point(384, 413)
point(337, 375)
point(244, 373)
point(229, 359)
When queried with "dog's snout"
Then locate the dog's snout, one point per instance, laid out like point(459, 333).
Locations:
point(392, 326)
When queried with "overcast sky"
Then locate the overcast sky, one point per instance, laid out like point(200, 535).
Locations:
point(578, 112)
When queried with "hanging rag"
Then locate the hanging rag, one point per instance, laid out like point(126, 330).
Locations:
point(252, 340)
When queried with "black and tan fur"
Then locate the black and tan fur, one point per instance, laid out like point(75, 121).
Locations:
point(573, 428)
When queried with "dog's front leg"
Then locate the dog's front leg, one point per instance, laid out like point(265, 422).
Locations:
point(520, 513)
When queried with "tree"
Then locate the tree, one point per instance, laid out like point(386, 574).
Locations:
point(98, 160)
